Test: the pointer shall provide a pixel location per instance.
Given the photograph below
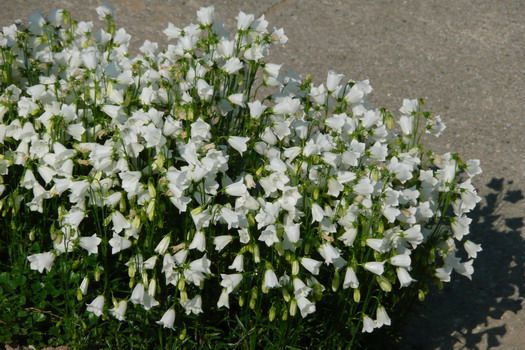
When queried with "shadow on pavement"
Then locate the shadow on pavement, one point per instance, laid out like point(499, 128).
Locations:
point(458, 316)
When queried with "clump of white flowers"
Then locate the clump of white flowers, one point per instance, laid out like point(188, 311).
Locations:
point(171, 170)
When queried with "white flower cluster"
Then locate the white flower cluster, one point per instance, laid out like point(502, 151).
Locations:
point(174, 160)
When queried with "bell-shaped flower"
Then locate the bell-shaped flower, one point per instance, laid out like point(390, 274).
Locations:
point(287, 105)
point(198, 242)
point(465, 268)
point(244, 20)
point(224, 299)
point(409, 106)
point(305, 306)
point(413, 235)
point(364, 187)
point(350, 280)
point(270, 279)
point(334, 187)
point(150, 263)
point(472, 249)
point(238, 263)
point(269, 235)
point(167, 319)
point(230, 281)
point(193, 306)
point(292, 232)
point(238, 143)
point(378, 244)
point(221, 241)
point(163, 245)
point(199, 130)
point(120, 223)
point(290, 197)
point(278, 36)
point(232, 65)
point(461, 227)
point(473, 167)
point(382, 318)
point(407, 124)
point(130, 182)
point(201, 265)
point(332, 81)
point(317, 213)
point(404, 277)
point(368, 324)
point(137, 295)
point(348, 237)
point(119, 243)
point(104, 12)
point(205, 15)
point(96, 306)
point(237, 99)
point(401, 260)
point(256, 109)
point(41, 261)
point(90, 244)
point(376, 267)
point(172, 32)
point(46, 173)
point(204, 90)
point(358, 92)
point(329, 253)
point(119, 310)
point(311, 265)
point(300, 288)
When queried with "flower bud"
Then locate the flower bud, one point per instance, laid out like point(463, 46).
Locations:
point(357, 295)
point(375, 175)
point(145, 280)
point(196, 211)
point(315, 195)
point(286, 295)
point(97, 273)
point(293, 307)
point(251, 219)
point(284, 316)
point(253, 298)
point(336, 280)
point(181, 285)
point(256, 256)
point(421, 295)
point(295, 268)
point(151, 188)
point(132, 269)
point(122, 204)
point(152, 287)
point(384, 284)
point(150, 211)
point(182, 334)
point(189, 114)
point(183, 296)
point(84, 286)
point(159, 163)
point(271, 313)
point(163, 245)
point(241, 301)
point(136, 222)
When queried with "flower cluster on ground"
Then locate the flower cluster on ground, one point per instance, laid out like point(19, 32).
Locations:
point(199, 177)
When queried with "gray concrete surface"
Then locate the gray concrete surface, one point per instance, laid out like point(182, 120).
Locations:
point(467, 59)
